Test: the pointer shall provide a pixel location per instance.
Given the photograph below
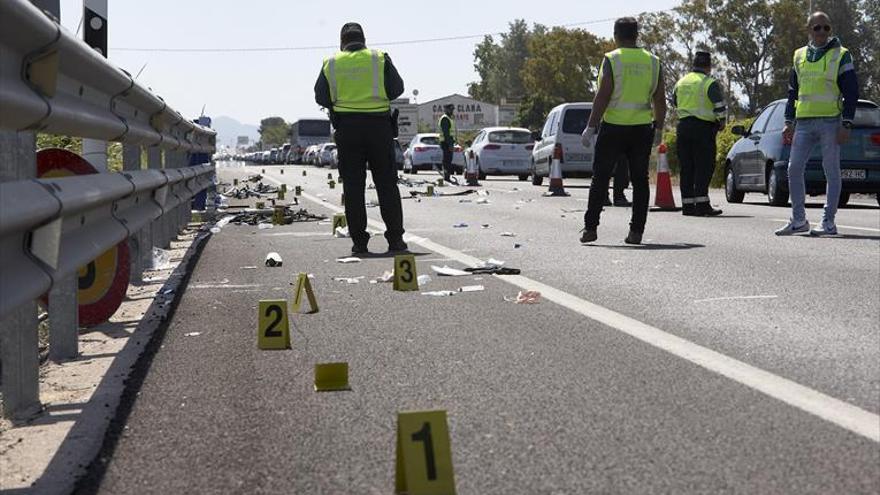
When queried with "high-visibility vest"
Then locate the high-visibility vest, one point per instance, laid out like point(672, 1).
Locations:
point(451, 127)
point(357, 81)
point(636, 73)
point(692, 97)
point(818, 94)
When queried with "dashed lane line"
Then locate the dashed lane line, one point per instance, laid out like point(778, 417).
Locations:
point(838, 412)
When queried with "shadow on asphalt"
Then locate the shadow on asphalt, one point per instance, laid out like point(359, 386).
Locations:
point(817, 206)
point(648, 247)
point(387, 255)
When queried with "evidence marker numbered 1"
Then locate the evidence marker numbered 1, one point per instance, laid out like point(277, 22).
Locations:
point(424, 457)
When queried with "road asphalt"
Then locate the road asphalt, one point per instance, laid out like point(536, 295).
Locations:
point(756, 369)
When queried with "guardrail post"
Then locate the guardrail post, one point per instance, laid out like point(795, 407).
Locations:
point(64, 318)
point(131, 161)
point(154, 161)
point(19, 344)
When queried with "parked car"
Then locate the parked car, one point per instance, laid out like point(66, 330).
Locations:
point(758, 161)
point(322, 156)
point(334, 158)
point(424, 153)
point(265, 157)
point(309, 155)
point(502, 151)
point(561, 138)
point(398, 155)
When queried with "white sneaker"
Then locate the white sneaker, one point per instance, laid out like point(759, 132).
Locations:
point(792, 229)
point(824, 230)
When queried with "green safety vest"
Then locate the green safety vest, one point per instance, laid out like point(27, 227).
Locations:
point(357, 81)
point(451, 128)
point(818, 94)
point(692, 97)
point(636, 73)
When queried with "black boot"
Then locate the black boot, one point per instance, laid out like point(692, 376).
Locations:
point(706, 210)
point(688, 210)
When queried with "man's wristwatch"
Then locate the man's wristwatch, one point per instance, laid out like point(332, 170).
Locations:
point(847, 124)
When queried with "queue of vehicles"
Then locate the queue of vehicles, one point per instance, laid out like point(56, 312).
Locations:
point(757, 162)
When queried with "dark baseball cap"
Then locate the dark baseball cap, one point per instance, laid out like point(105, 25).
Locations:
point(702, 59)
point(351, 32)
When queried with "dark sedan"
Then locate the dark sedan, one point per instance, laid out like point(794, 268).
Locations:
point(758, 162)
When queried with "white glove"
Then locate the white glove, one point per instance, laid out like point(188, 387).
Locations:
point(588, 138)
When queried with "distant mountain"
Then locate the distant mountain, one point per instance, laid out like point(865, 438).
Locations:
point(228, 129)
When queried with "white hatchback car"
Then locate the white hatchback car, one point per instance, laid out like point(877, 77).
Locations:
point(502, 151)
point(423, 153)
point(323, 154)
point(561, 137)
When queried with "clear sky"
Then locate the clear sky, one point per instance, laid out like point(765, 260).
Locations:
point(251, 85)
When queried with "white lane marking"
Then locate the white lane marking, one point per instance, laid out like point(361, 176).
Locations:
point(222, 286)
point(733, 298)
point(836, 411)
point(867, 229)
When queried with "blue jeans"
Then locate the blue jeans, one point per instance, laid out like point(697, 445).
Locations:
point(807, 133)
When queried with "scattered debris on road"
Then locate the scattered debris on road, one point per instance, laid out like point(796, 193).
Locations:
point(273, 259)
point(526, 297)
point(448, 271)
point(258, 216)
point(161, 259)
point(350, 259)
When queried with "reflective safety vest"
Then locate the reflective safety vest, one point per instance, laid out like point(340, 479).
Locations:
point(636, 73)
point(357, 81)
point(692, 97)
point(818, 94)
point(451, 127)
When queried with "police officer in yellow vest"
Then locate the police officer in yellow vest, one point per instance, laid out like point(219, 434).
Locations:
point(823, 92)
point(699, 102)
point(446, 128)
point(630, 105)
point(357, 85)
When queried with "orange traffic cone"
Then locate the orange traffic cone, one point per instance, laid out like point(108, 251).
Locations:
point(663, 198)
point(471, 175)
point(556, 187)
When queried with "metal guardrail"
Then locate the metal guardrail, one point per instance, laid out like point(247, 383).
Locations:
point(52, 82)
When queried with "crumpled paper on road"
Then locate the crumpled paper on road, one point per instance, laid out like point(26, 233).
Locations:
point(526, 297)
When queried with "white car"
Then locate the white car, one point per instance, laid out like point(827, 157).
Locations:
point(309, 155)
point(502, 151)
point(423, 153)
point(561, 138)
point(322, 155)
point(334, 158)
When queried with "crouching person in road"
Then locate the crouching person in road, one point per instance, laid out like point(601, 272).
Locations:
point(823, 72)
point(357, 85)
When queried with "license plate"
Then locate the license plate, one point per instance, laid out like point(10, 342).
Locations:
point(577, 157)
point(853, 174)
point(512, 163)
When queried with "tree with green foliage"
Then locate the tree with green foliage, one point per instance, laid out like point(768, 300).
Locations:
point(500, 65)
point(273, 132)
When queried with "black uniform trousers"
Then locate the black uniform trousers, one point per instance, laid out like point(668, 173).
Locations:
point(695, 147)
point(621, 177)
point(363, 139)
point(633, 141)
point(447, 159)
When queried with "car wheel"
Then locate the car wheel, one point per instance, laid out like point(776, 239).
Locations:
point(536, 179)
point(878, 199)
point(480, 174)
point(844, 199)
point(730, 191)
point(776, 196)
point(523, 177)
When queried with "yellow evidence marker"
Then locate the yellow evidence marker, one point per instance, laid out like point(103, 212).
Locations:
point(339, 220)
point(234, 182)
point(330, 176)
point(278, 215)
point(332, 184)
point(273, 331)
point(304, 173)
point(298, 190)
point(430, 191)
point(331, 377)
point(304, 285)
point(405, 277)
point(424, 457)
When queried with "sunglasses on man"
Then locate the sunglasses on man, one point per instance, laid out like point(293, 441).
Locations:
point(819, 27)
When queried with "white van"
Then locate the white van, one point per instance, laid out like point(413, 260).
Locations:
point(561, 136)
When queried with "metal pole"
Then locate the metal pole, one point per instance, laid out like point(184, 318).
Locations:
point(154, 161)
point(18, 330)
point(95, 35)
point(131, 160)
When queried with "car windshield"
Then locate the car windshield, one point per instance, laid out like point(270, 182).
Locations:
point(575, 120)
point(430, 140)
point(867, 116)
point(330, 147)
point(510, 137)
